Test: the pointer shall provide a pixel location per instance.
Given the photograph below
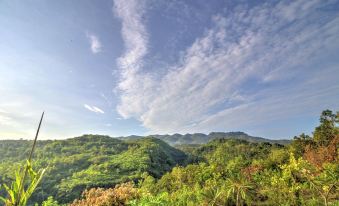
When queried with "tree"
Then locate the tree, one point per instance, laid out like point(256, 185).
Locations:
point(149, 200)
point(325, 140)
point(327, 130)
point(117, 196)
point(213, 196)
point(319, 155)
point(287, 185)
point(50, 202)
point(239, 188)
point(326, 182)
point(299, 144)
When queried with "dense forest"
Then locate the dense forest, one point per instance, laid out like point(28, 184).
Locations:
point(225, 170)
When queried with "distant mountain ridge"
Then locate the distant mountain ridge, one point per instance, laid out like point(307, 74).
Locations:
point(200, 138)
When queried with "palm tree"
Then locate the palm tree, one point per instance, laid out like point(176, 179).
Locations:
point(239, 188)
point(213, 196)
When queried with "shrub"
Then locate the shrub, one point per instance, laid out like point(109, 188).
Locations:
point(118, 196)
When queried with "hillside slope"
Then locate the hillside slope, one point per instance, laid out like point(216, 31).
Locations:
point(89, 161)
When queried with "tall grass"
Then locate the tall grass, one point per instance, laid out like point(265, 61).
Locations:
point(22, 187)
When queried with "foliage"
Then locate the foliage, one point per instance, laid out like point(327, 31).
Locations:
point(50, 202)
point(327, 130)
point(120, 195)
point(223, 171)
point(326, 183)
point(149, 200)
point(18, 195)
point(88, 161)
point(236, 172)
point(238, 188)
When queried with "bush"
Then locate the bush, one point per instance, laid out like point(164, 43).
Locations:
point(118, 196)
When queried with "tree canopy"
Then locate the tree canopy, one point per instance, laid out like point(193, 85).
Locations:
point(100, 170)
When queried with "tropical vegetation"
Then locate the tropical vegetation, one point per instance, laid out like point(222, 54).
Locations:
point(103, 171)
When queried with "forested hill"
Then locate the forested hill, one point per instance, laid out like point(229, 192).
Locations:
point(200, 138)
point(148, 171)
point(101, 161)
point(88, 161)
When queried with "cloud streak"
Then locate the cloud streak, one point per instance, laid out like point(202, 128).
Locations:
point(238, 74)
point(94, 109)
point(134, 84)
point(94, 42)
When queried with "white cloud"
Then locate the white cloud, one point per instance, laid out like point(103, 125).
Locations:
point(221, 81)
point(94, 43)
point(136, 87)
point(94, 109)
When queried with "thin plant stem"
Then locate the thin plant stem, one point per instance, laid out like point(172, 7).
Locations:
point(21, 187)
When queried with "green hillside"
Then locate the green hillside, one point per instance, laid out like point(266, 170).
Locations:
point(147, 171)
point(89, 161)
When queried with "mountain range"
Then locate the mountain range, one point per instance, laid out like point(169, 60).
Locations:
point(200, 138)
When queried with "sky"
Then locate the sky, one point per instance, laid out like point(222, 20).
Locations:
point(140, 67)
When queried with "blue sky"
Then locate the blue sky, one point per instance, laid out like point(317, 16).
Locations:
point(143, 67)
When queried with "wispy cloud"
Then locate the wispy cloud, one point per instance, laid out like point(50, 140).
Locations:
point(237, 74)
point(94, 43)
point(134, 83)
point(94, 109)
